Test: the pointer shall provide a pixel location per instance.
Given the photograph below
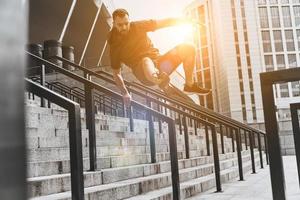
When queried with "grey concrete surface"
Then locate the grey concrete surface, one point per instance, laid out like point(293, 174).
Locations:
point(13, 21)
point(257, 187)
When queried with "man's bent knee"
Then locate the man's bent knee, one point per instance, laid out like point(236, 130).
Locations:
point(146, 61)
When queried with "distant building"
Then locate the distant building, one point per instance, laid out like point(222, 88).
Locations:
point(239, 39)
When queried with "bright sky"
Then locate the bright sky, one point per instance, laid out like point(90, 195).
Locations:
point(163, 39)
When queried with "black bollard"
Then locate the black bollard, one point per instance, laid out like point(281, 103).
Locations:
point(33, 67)
point(68, 53)
point(52, 48)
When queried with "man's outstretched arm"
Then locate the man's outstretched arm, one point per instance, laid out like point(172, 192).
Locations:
point(120, 83)
point(162, 23)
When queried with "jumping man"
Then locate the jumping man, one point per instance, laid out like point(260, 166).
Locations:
point(129, 44)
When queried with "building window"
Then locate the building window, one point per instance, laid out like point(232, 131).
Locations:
point(243, 99)
point(284, 1)
point(250, 74)
point(273, 1)
point(254, 114)
point(269, 63)
point(248, 61)
point(284, 90)
point(240, 73)
point(290, 46)
point(292, 60)
point(298, 38)
point(237, 49)
point(297, 15)
point(278, 41)
point(275, 17)
point(252, 98)
point(280, 62)
point(263, 15)
point(296, 1)
point(266, 41)
point(239, 62)
point(296, 89)
point(261, 2)
point(286, 15)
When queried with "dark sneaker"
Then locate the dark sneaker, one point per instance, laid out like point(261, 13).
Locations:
point(196, 89)
point(164, 78)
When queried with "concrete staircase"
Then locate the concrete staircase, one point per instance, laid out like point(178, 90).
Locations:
point(123, 158)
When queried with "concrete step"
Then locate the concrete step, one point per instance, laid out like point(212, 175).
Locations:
point(135, 186)
point(195, 186)
point(49, 167)
point(44, 168)
point(60, 138)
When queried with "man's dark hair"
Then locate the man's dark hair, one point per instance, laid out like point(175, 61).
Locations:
point(121, 12)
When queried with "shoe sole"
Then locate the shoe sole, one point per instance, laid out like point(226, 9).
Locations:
point(201, 94)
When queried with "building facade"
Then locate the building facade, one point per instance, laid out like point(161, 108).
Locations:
point(229, 48)
point(244, 38)
point(280, 37)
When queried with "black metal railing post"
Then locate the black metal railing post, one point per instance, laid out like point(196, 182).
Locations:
point(42, 82)
point(216, 158)
point(75, 135)
point(130, 115)
point(195, 127)
point(246, 140)
point(250, 134)
point(180, 124)
point(266, 149)
point(295, 107)
point(186, 137)
point(260, 151)
point(159, 125)
point(222, 139)
point(207, 140)
point(240, 138)
point(90, 124)
point(76, 153)
point(276, 165)
point(239, 153)
point(174, 159)
point(151, 134)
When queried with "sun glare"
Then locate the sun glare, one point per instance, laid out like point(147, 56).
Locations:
point(181, 33)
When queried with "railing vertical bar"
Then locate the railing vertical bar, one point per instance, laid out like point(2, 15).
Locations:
point(207, 140)
point(174, 160)
point(239, 154)
point(186, 137)
point(76, 154)
point(216, 158)
point(260, 150)
point(252, 152)
point(151, 134)
point(266, 149)
point(90, 123)
point(42, 82)
point(246, 140)
point(131, 123)
point(222, 139)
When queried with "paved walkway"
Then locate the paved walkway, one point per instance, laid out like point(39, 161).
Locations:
point(258, 186)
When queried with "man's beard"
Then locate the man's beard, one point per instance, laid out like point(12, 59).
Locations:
point(124, 32)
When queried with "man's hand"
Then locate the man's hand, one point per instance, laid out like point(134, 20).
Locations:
point(127, 99)
point(120, 83)
point(176, 21)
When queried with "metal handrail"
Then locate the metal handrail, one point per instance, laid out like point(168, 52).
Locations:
point(89, 86)
point(160, 95)
point(78, 95)
point(74, 134)
point(209, 115)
